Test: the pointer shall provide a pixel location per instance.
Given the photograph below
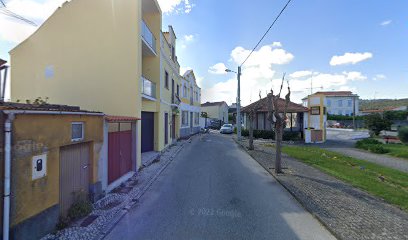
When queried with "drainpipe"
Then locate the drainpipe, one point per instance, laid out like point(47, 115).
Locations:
point(7, 170)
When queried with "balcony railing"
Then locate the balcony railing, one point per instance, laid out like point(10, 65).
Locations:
point(175, 99)
point(148, 36)
point(148, 87)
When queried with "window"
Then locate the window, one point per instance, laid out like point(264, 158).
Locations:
point(178, 90)
point(349, 103)
point(166, 79)
point(196, 118)
point(340, 103)
point(315, 111)
point(184, 118)
point(77, 131)
point(184, 91)
point(328, 102)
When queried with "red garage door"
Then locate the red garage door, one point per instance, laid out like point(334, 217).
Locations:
point(119, 150)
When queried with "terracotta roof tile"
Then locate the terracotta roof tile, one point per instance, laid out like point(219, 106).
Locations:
point(41, 107)
point(121, 119)
point(263, 106)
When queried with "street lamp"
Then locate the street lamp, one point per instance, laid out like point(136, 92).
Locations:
point(238, 101)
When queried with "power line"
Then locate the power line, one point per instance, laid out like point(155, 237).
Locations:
point(9, 13)
point(3, 3)
point(270, 27)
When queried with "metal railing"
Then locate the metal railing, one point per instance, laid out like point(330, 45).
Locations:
point(148, 87)
point(148, 36)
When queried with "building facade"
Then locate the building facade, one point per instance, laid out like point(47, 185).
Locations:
point(190, 108)
point(339, 102)
point(216, 110)
point(56, 155)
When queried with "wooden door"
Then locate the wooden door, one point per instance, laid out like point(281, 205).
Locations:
point(74, 175)
point(119, 152)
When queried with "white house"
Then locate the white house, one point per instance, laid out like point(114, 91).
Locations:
point(339, 102)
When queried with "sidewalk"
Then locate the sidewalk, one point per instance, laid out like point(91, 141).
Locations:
point(347, 212)
point(110, 209)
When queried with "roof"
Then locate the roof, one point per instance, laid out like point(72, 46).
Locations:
point(41, 107)
point(263, 106)
point(121, 119)
point(336, 93)
point(2, 62)
point(211, 104)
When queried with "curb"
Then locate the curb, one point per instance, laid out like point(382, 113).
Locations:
point(290, 192)
point(126, 209)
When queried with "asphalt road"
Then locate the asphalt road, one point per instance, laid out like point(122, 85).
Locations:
point(214, 190)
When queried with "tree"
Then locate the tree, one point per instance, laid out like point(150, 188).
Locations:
point(376, 123)
point(251, 116)
point(275, 110)
point(403, 134)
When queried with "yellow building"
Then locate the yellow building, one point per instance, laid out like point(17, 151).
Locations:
point(107, 59)
point(54, 156)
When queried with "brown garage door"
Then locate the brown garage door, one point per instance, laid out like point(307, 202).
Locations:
point(74, 175)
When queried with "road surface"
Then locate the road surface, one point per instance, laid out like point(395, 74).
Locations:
point(215, 190)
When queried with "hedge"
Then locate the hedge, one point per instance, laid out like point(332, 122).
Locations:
point(268, 134)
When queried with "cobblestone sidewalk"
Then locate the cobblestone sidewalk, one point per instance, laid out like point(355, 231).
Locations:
point(110, 209)
point(347, 212)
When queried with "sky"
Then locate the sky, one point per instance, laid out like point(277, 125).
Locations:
point(359, 46)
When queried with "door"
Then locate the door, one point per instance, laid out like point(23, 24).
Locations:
point(191, 122)
point(74, 175)
point(119, 151)
point(147, 131)
point(173, 126)
point(166, 128)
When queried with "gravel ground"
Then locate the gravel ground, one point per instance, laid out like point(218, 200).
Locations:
point(110, 209)
point(347, 212)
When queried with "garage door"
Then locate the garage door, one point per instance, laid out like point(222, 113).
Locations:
point(119, 151)
point(74, 175)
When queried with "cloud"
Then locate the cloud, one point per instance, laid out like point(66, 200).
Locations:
point(379, 77)
point(385, 23)
point(189, 38)
point(300, 74)
point(218, 68)
point(176, 6)
point(258, 74)
point(354, 76)
point(14, 30)
point(350, 58)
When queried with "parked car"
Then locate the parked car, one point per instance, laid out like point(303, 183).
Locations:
point(215, 124)
point(227, 128)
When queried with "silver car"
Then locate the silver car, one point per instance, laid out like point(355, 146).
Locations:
point(227, 128)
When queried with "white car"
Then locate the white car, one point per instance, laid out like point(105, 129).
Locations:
point(227, 128)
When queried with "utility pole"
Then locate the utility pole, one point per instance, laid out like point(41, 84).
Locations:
point(354, 112)
point(239, 104)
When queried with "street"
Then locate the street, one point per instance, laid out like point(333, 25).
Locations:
point(214, 190)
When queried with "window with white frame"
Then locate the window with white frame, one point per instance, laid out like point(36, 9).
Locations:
point(184, 90)
point(184, 118)
point(77, 131)
point(196, 118)
point(340, 103)
point(349, 103)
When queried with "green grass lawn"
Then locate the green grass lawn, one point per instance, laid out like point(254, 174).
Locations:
point(397, 150)
point(359, 173)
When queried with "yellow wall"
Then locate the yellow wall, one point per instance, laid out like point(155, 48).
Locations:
point(34, 135)
point(94, 47)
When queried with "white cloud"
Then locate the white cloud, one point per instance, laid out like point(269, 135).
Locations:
point(189, 38)
point(379, 77)
point(176, 6)
point(350, 58)
point(300, 74)
point(386, 22)
point(218, 68)
point(257, 74)
point(15, 31)
point(355, 76)
point(184, 69)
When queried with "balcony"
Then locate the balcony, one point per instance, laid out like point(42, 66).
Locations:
point(175, 100)
point(149, 41)
point(148, 89)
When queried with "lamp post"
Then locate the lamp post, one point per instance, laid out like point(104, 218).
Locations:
point(238, 101)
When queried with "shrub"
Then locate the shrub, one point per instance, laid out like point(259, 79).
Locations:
point(375, 148)
point(369, 141)
point(80, 209)
point(403, 134)
point(269, 134)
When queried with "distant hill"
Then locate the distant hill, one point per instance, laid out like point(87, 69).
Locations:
point(382, 103)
